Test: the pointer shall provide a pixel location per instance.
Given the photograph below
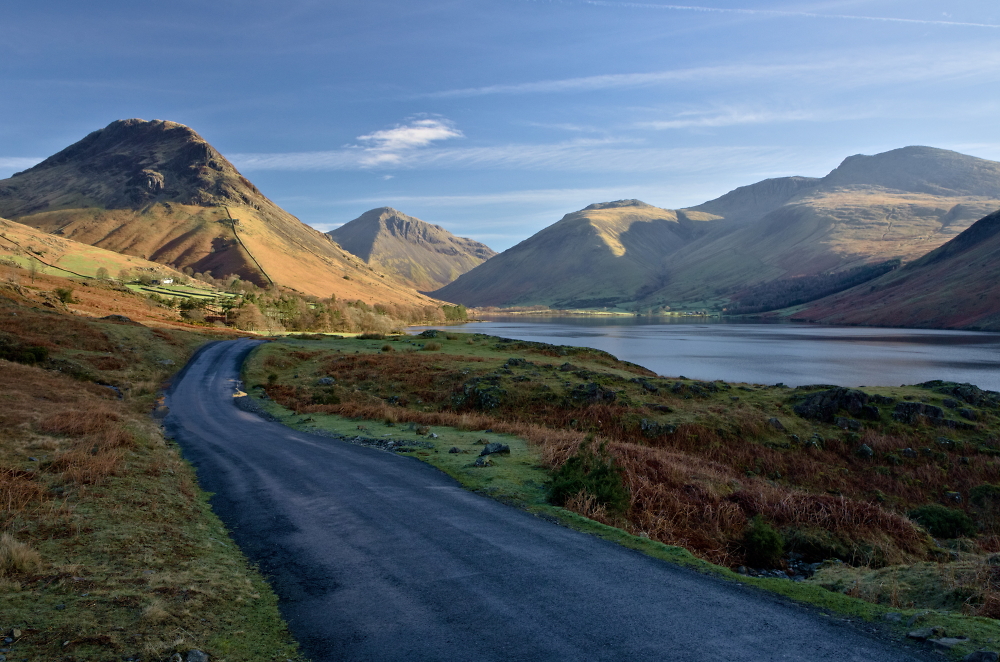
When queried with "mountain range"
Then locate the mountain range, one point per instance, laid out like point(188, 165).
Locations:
point(158, 191)
point(898, 205)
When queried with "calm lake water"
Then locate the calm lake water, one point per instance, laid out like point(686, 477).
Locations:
point(794, 354)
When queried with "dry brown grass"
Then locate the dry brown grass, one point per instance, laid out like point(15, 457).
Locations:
point(17, 558)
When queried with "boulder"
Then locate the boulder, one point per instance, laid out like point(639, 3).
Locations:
point(981, 656)
point(493, 448)
point(914, 412)
point(325, 381)
point(775, 423)
point(923, 634)
point(592, 393)
point(825, 405)
point(483, 462)
point(864, 451)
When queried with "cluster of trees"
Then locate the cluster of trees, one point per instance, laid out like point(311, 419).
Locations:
point(794, 291)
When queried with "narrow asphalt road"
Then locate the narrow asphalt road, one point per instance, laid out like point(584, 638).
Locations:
point(381, 557)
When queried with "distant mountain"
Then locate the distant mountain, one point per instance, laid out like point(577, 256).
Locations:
point(159, 191)
point(956, 286)
point(898, 205)
point(895, 205)
point(592, 258)
point(424, 256)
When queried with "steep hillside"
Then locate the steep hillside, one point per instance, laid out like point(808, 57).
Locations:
point(898, 204)
point(157, 190)
point(421, 255)
point(21, 244)
point(955, 286)
point(595, 257)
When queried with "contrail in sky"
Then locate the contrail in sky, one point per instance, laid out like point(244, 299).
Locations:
point(777, 12)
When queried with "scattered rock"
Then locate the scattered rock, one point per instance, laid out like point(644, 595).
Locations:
point(981, 656)
point(823, 406)
point(914, 412)
point(429, 333)
point(953, 497)
point(423, 429)
point(195, 655)
point(483, 462)
point(845, 423)
point(947, 643)
point(326, 381)
point(165, 362)
point(893, 617)
point(775, 423)
point(432, 436)
point(968, 393)
point(910, 453)
point(968, 414)
point(454, 449)
point(923, 634)
point(495, 447)
point(60, 607)
point(592, 393)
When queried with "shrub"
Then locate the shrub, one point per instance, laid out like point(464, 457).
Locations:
point(272, 379)
point(370, 336)
point(762, 543)
point(387, 348)
point(65, 294)
point(592, 472)
point(18, 353)
point(432, 347)
point(942, 522)
point(984, 495)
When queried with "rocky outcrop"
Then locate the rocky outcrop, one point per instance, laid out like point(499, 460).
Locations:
point(825, 405)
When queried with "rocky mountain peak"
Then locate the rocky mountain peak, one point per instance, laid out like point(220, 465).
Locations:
point(919, 169)
point(129, 164)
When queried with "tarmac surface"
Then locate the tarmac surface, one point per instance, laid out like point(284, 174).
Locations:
point(376, 556)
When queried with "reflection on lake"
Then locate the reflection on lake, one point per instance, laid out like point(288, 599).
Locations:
point(794, 354)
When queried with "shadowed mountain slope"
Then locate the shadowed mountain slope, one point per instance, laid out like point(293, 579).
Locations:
point(954, 286)
point(421, 255)
point(591, 258)
point(898, 204)
point(871, 209)
point(159, 191)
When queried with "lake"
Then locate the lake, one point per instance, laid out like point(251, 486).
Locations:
point(768, 353)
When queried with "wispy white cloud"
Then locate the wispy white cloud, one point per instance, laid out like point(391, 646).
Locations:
point(790, 14)
point(574, 156)
point(391, 146)
point(739, 116)
point(834, 69)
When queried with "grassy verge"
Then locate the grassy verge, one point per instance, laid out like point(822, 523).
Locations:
point(699, 460)
point(108, 548)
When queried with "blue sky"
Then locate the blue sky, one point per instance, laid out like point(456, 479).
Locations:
point(493, 118)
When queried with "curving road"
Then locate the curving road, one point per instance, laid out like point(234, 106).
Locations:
point(381, 557)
